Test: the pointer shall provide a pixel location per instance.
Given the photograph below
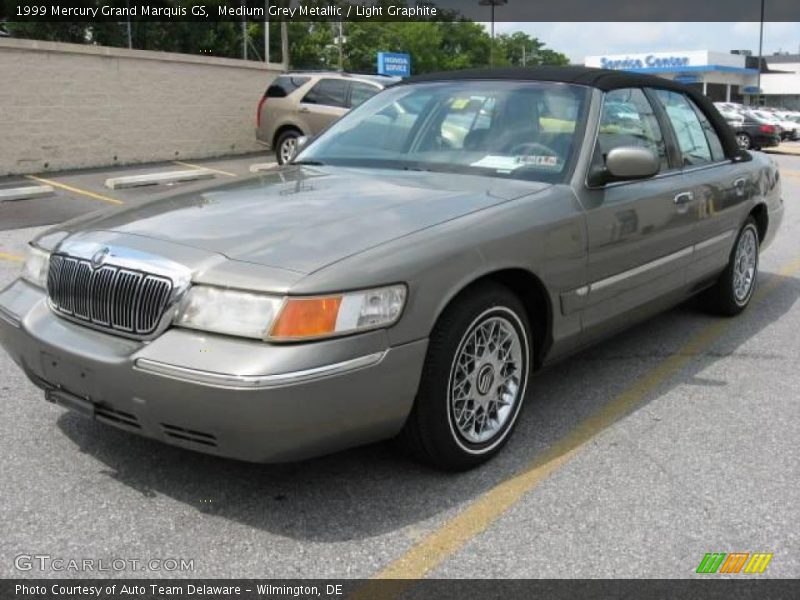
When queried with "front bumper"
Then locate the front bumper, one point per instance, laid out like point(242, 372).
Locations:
point(230, 397)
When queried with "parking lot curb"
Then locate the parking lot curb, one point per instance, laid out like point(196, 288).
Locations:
point(26, 192)
point(130, 181)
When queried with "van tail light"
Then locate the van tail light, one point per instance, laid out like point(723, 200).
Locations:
point(763, 129)
point(258, 110)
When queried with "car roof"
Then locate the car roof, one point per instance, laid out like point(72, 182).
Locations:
point(383, 80)
point(604, 79)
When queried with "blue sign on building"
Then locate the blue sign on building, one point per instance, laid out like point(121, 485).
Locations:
point(394, 63)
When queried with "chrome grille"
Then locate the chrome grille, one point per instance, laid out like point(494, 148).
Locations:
point(115, 298)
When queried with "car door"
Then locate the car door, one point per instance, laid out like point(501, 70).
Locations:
point(325, 102)
point(720, 187)
point(640, 233)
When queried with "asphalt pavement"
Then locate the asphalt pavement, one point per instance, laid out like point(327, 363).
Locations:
point(631, 459)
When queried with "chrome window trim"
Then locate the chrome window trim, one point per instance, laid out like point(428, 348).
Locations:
point(254, 382)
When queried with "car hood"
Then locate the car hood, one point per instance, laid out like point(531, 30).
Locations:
point(304, 218)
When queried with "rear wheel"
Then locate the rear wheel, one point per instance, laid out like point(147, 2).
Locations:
point(734, 289)
point(286, 145)
point(473, 382)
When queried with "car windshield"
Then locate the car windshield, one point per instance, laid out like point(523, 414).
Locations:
point(523, 130)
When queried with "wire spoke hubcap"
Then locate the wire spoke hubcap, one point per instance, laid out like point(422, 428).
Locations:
point(744, 265)
point(485, 379)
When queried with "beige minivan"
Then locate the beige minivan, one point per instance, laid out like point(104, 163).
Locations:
point(305, 103)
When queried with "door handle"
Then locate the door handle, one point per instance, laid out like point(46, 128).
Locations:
point(684, 197)
point(303, 109)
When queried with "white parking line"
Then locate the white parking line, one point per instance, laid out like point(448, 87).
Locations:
point(218, 171)
point(130, 181)
point(263, 167)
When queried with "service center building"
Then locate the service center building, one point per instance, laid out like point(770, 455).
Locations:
point(721, 76)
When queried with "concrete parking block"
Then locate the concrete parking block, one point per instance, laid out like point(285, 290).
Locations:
point(25, 192)
point(130, 181)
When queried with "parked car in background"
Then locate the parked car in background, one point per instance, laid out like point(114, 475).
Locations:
point(754, 134)
point(405, 274)
point(788, 130)
point(305, 103)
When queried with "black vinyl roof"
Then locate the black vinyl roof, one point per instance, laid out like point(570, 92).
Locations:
point(604, 79)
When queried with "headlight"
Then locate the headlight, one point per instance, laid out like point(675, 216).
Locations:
point(35, 267)
point(228, 311)
point(326, 316)
point(266, 317)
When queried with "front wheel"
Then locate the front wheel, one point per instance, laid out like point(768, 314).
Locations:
point(734, 289)
point(473, 382)
point(286, 146)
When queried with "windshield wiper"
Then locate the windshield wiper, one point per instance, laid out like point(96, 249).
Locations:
point(312, 163)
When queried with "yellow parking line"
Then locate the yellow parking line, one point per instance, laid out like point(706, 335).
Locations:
point(478, 516)
point(11, 257)
point(75, 190)
point(191, 166)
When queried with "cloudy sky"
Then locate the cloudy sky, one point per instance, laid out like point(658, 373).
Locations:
point(578, 40)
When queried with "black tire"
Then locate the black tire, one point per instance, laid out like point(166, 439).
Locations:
point(722, 299)
point(430, 433)
point(283, 138)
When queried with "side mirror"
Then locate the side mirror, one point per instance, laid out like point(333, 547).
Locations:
point(627, 163)
point(632, 162)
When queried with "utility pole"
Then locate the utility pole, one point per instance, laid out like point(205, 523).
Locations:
point(266, 31)
point(340, 43)
point(492, 3)
point(128, 21)
point(284, 45)
point(760, 53)
point(244, 33)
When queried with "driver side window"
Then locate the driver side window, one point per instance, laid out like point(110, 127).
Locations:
point(627, 119)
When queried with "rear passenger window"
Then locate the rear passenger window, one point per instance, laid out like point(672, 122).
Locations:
point(689, 131)
point(360, 92)
point(328, 92)
point(717, 151)
point(628, 120)
point(285, 85)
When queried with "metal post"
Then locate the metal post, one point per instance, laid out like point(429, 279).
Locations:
point(760, 53)
point(244, 34)
point(266, 31)
point(491, 50)
point(341, 51)
point(128, 21)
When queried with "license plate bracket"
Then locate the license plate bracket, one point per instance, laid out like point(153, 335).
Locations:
point(82, 406)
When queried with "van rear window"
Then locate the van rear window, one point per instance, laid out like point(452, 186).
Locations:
point(285, 85)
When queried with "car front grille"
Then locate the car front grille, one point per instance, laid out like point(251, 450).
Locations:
point(114, 298)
